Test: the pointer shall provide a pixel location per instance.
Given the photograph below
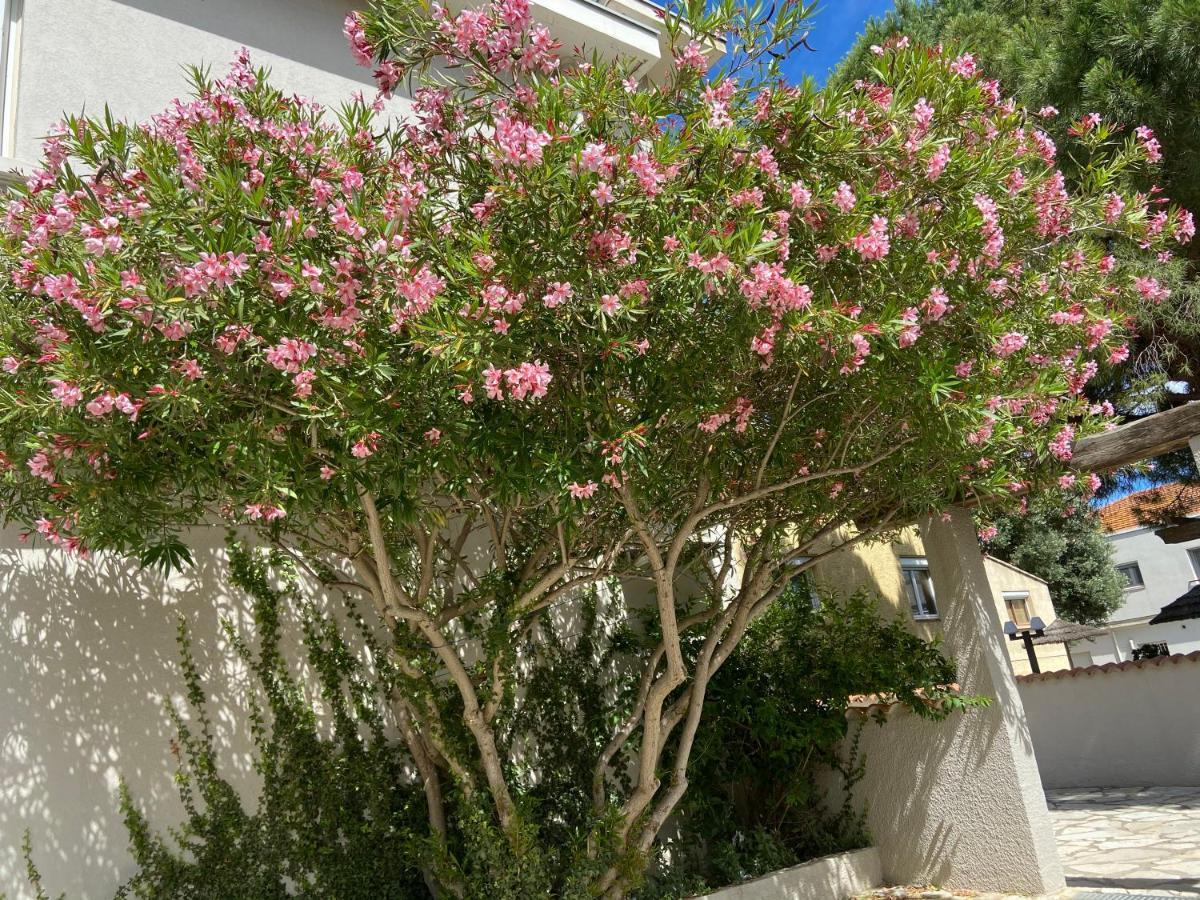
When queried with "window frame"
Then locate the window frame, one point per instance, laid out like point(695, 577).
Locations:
point(1140, 585)
point(1194, 559)
point(1021, 597)
point(814, 597)
point(11, 12)
point(910, 569)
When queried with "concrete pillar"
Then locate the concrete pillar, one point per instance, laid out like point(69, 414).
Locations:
point(992, 792)
point(1194, 443)
point(960, 803)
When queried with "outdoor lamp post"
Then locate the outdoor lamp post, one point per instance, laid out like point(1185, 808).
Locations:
point(1036, 627)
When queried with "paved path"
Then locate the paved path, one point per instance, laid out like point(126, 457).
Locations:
point(1143, 841)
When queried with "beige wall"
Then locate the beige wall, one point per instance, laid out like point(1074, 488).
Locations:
point(959, 803)
point(1135, 723)
point(877, 568)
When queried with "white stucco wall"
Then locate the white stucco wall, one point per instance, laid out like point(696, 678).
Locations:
point(131, 54)
point(959, 803)
point(87, 654)
point(1130, 724)
point(838, 876)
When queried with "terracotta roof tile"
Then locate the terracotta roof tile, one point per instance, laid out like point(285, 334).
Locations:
point(1154, 661)
point(1150, 506)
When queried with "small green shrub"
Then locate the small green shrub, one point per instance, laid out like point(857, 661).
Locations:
point(775, 721)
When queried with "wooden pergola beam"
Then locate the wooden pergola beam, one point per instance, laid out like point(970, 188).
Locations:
point(1144, 439)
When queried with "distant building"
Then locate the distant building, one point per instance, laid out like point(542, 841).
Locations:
point(1156, 574)
point(898, 573)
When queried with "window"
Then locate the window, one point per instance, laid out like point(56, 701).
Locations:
point(10, 32)
point(1133, 576)
point(1017, 604)
point(1194, 556)
point(804, 586)
point(919, 587)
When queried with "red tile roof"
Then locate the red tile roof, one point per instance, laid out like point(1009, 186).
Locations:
point(1150, 506)
point(1173, 659)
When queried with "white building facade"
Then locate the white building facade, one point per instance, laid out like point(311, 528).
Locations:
point(1156, 573)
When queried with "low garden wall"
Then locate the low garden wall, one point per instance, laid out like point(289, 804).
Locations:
point(828, 878)
point(1119, 724)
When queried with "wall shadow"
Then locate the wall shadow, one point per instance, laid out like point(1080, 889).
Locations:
point(87, 655)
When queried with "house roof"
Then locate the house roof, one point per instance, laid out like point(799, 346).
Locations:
point(1150, 507)
point(1185, 607)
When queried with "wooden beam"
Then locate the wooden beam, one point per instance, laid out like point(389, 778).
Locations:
point(1143, 439)
point(1178, 534)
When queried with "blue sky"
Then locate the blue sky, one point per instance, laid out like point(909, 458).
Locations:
point(835, 25)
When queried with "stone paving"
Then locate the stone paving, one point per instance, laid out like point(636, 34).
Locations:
point(1129, 841)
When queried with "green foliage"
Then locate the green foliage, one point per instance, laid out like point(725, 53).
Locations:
point(341, 815)
point(776, 724)
point(1059, 539)
point(1135, 62)
point(338, 815)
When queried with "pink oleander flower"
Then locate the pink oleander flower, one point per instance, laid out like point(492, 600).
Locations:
point(1113, 206)
point(964, 66)
point(936, 304)
point(1062, 446)
point(264, 512)
point(1150, 289)
point(360, 47)
point(873, 244)
point(922, 115)
point(843, 197)
point(557, 293)
point(433, 435)
point(692, 57)
point(365, 446)
point(1010, 343)
point(1149, 143)
point(602, 194)
point(519, 142)
point(290, 354)
point(938, 162)
point(582, 491)
point(530, 379)
point(67, 393)
point(41, 467)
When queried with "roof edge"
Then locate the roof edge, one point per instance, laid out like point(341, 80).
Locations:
point(1106, 668)
point(1009, 565)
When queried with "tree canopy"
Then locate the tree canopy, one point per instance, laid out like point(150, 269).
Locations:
point(1132, 62)
point(560, 328)
point(1064, 545)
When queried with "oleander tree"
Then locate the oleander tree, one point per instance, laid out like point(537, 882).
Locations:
point(556, 329)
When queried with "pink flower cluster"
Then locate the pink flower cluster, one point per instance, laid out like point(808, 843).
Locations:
point(290, 354)
point(519, 142)
point(529, 379)
point(873, 244)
